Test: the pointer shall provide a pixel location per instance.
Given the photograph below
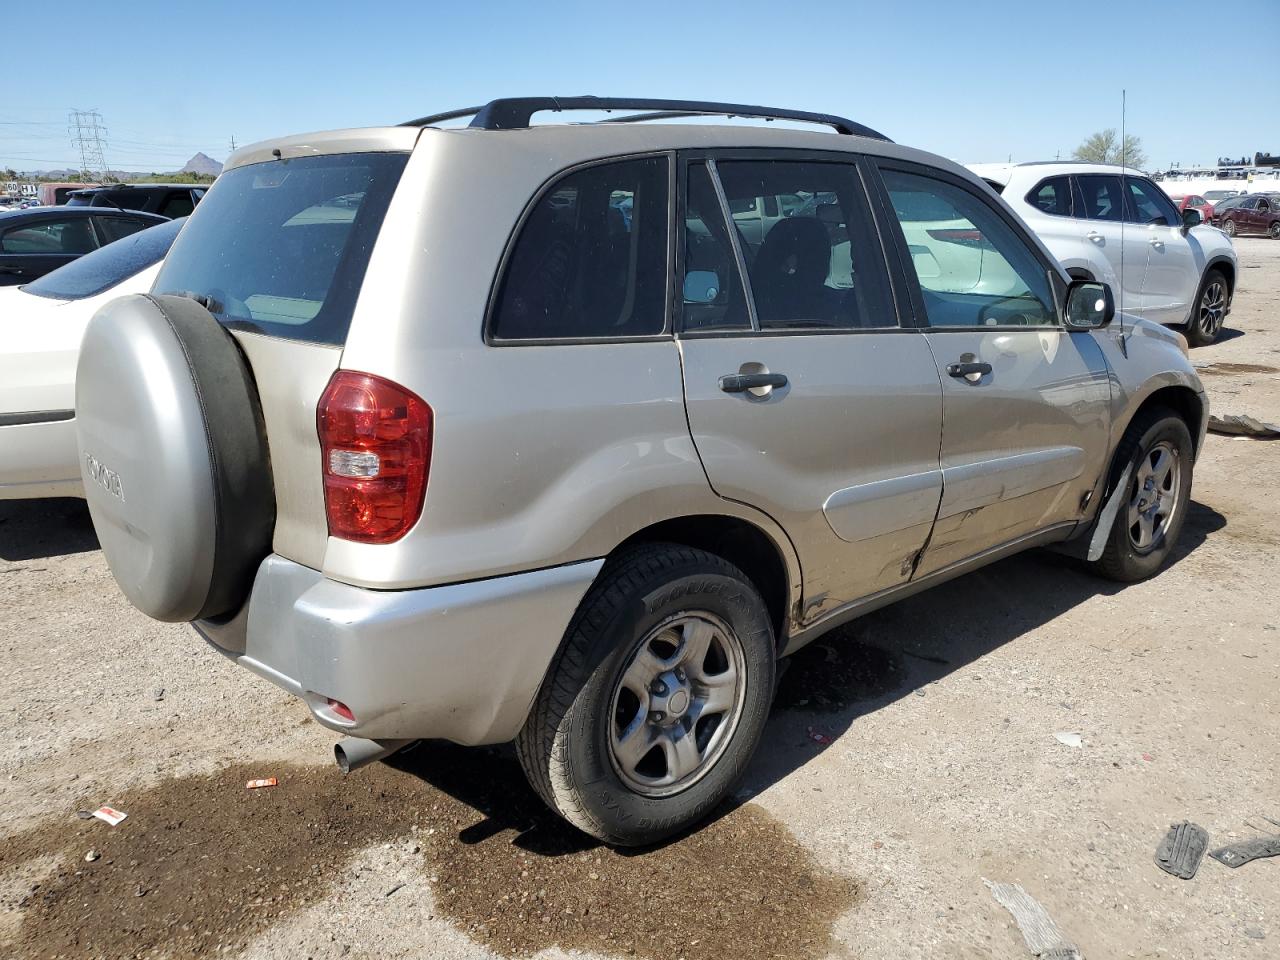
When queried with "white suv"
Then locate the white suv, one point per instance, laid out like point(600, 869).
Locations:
point(1113, 224)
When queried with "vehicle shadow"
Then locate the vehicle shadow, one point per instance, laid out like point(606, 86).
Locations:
point(899, 650)
point(1228, 333)
point(40, 529)
point(843, 675)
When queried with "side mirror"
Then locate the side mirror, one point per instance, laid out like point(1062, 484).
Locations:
point(1089, 305)
point(1190, 218)
point(701, 286)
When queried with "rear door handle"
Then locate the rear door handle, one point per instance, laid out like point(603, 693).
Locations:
point(971, 371)
point(742, 382)
point(1093, 235)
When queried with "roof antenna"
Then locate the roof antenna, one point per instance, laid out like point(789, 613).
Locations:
point(1124, 204)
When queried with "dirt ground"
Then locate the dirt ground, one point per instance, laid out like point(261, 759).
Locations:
point(935, 767)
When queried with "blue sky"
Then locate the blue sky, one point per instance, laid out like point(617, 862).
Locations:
point(970, 80)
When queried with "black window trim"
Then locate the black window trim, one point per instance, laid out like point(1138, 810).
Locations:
point(1057, 282)
point(1071, 197)
point(508, 251)
point(897, 291)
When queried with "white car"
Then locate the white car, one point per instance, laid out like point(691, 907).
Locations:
point(43, 322)
point(1116, 225)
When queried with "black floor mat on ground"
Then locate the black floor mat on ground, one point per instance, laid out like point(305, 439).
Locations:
point(1182, 849)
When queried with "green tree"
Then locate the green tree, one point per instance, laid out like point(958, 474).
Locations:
point(1105, 147)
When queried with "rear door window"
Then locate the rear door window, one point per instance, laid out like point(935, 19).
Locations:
point(117, 228)
point(817, 263)
point(1102, 196)
point(114, 263)
point(281, 247)
point(590, 260)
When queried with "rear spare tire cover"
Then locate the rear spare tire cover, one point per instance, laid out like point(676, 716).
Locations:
point(173, 455)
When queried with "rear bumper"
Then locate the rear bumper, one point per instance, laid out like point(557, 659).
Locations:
point(460, 662)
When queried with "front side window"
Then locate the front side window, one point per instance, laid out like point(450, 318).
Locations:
point(1102, 196)
point(816, 261)
point(591, 258)
point(51, 236)
point(1052, 196)
point(1149, 204)
point(974, 269)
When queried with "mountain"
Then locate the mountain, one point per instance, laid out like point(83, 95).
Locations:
point(203, 164)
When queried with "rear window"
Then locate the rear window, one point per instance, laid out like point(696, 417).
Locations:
point(281, 248)
point(103, 269)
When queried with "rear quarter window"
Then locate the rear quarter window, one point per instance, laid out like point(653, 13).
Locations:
point(590, 259)
point(281, 247)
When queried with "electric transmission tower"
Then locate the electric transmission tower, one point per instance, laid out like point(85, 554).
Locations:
point(89, 136)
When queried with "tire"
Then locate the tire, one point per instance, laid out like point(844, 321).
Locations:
point(173, 457)
point(1229, 227)
point(648, 605)
point(1210, 310)
point(1273, 231)
point(1126, 557)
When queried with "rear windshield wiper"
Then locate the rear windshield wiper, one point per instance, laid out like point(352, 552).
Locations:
point(209, 303)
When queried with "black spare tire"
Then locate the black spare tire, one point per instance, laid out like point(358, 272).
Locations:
point(173, 455)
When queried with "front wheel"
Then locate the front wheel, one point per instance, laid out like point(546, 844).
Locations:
point(1157, 450)
point(657, 698)
point(1210, 310)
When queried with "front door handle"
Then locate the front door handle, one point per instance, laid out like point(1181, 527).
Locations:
point(742, 382)
point(969, 370)
point(1094, 236)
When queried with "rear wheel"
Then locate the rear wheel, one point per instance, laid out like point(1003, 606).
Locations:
point(1157, 450)
point(657, 699)
point(1273, 231)
point(1229, 227)
point(1210, 310)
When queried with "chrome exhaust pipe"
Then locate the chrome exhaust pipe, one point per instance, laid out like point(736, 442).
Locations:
point(353, 753)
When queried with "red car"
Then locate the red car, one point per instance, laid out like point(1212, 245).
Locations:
point(1194, 201)
point(1257, 213)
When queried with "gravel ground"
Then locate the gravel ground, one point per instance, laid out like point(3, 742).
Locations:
point(942, 769)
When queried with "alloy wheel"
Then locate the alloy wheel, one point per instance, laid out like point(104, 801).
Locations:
point(1273, 231)
point(1229, 227)
point(1213, 308)
point(1154, 499)
point(677, 703)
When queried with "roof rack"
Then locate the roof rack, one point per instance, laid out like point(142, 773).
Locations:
point(515, 113)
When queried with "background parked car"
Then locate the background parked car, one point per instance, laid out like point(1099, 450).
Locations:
point(43, 324)
point(1116, 225)
point(1257, 213)
point(38, 241)
point(1193, 201)
point(166, 199)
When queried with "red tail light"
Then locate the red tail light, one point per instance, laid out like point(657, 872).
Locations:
point(375, 444)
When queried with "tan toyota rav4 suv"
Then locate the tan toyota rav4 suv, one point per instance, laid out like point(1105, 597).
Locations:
point(565, 433)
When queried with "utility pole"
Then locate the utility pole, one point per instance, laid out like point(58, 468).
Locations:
point(89, 136)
